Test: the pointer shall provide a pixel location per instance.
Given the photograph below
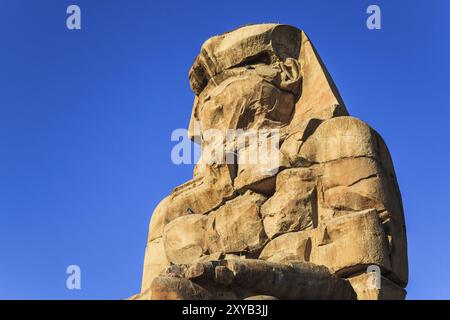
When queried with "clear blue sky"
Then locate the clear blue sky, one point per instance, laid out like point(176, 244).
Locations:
point(86, 118)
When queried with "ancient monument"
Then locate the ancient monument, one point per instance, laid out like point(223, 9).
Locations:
point(309, 225)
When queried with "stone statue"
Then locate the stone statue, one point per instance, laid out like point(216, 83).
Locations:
point(323, 220)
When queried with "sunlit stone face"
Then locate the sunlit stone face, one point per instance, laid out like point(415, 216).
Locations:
point(248, 78)
point(245, 98)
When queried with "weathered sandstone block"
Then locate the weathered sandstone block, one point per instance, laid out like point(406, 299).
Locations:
point(293, 207)
point(350, 243)
point(236, 227)
point(184, 238)
point(155, 261)
point(198, 196)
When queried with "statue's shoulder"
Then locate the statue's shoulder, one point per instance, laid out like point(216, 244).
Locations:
point(345, 137)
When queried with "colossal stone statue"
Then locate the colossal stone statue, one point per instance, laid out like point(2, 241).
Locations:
point(306, 226)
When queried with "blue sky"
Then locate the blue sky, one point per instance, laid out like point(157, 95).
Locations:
point(86, 118)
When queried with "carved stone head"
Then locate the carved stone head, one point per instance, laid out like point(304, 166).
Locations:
point(254, 77)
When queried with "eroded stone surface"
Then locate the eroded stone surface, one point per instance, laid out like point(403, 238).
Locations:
point(242, 279)
point(184, 238)
point(236, 227)
point(155, 261)
point(368, 287)
point(293, 207)
point(351, 243)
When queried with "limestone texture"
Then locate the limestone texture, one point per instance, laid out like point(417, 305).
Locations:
point(308, 221)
